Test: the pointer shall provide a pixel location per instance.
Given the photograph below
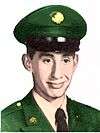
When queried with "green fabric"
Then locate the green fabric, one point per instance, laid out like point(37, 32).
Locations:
point(39, 23)
point(16, 118)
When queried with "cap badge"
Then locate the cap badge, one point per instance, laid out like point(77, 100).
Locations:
point(57, 17)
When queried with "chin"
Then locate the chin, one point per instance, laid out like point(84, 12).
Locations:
point(57, 94)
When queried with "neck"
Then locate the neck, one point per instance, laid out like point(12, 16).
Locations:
point(58, 101)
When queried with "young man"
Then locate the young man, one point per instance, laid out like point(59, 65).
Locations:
point(52, 36)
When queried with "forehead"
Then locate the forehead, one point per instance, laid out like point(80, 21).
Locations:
point(53, 54)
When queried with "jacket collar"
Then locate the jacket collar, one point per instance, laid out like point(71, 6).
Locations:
point(74, 115)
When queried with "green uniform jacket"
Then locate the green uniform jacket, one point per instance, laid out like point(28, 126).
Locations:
point(26, 116)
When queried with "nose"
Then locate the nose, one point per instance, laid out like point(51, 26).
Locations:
point(56, 71)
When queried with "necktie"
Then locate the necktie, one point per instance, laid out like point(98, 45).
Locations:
point(60, 120)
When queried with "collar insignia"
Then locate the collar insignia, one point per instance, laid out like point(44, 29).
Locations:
point(32, 120)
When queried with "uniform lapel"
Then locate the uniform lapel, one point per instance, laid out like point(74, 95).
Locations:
point(74, 116)
point(34, 117)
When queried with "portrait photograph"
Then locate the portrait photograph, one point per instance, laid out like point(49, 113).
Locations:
point(50, 66)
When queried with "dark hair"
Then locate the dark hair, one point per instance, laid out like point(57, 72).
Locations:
point(30, 51)
point(51, 44)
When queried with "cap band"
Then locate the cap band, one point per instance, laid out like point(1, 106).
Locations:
point(53, 44)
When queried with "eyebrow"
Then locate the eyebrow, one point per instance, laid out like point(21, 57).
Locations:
point(46, 54)
point(68, 54)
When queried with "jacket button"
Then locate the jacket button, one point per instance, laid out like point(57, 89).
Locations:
point(77, 116)
point(18, 104)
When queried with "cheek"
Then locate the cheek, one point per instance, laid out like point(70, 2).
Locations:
point(42, 71)
point(68, 70)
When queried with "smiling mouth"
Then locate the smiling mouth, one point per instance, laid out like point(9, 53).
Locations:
point(55, 85)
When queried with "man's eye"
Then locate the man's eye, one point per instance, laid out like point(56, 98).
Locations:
point(66, 60)
point(46, 60)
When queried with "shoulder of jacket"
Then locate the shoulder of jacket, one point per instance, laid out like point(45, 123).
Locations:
point(80, 107)
point(87, 118)
point(13, 108)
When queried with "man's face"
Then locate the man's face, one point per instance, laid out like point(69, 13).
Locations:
point(52, 73)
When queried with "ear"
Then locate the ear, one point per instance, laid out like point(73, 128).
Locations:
point(76, 58)
point(27, 62)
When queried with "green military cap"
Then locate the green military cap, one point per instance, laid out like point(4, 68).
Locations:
point(51, 28)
